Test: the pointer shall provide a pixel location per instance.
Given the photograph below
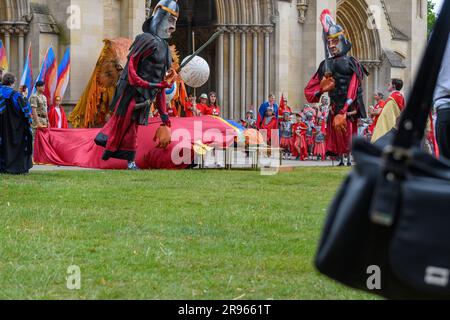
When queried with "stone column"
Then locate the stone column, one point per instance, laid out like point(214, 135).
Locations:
point(21, 52)
point(267, 32)
point(7, 34)
point(231, 75)
point(255, 31)
point(243, 70)
point(220, 68)
point(376, 77)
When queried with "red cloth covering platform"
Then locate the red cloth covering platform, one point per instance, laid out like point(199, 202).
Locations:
point(76, 147)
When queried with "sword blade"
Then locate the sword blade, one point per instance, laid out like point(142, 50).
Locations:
point(199, 50)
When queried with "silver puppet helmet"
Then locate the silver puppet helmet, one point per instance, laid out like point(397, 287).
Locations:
point(163, 20)
point(338, 44)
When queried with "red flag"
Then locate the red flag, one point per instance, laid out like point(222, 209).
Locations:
point(282, 107)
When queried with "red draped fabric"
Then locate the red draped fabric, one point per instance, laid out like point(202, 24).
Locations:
point(76, 147)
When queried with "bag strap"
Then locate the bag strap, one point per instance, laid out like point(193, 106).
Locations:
point(414, 118)
point(444, 97)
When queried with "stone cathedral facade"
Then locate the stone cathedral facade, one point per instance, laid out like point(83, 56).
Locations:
point(268, 46)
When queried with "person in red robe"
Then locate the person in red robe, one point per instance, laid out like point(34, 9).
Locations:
point(203, 107)
point(190, 106)
point(283, 108)
point(391, 110)
point(142, 82)
point(341, 76)
point(300, 145)
point(214, 109)
point(375, 111)
point(56, 116)
point(396, 94)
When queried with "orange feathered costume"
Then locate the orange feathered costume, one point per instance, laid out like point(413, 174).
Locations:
point(92, 110)
point(93, 107)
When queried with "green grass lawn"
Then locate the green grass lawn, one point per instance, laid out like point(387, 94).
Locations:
point(166, 234)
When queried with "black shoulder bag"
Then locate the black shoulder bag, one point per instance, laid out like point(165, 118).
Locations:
point(392, 214)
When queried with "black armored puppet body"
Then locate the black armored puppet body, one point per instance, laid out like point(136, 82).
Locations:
point(142, 83)
point(340, 75)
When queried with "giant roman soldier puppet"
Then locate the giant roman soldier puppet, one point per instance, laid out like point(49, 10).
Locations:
point(141, 83)
point(341, 76)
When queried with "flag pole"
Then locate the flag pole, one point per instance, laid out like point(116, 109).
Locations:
point(193, 51)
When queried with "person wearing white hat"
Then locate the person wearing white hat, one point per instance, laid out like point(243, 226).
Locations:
point(202, 107)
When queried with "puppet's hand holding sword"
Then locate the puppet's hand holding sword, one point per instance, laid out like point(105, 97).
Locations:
point(328, 83)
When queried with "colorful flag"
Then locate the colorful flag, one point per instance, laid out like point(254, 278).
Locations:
point(63, 75)
point(282, 104)
point(49, 75)
point(27, 74)
point(3, 59)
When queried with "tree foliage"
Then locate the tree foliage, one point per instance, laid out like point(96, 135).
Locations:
point(432, 16)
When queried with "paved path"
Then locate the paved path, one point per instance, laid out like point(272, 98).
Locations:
point(209, 164)
point(240, 161)
point(57, 168)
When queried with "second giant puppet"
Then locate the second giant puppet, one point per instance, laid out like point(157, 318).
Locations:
point(141, 83)
point(341, 76)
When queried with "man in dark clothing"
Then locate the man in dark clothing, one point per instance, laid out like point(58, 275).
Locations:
point(15, 129)
point(442, 105)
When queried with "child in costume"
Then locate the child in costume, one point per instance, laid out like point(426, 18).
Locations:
point(287, 137)
point(308, 119)
point(300, 146)
point(319, 146)
point(249, 122)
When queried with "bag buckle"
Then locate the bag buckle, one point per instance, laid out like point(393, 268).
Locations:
point(381, 218)
point(398, 154)
point(387, 191)
point(396, 160)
